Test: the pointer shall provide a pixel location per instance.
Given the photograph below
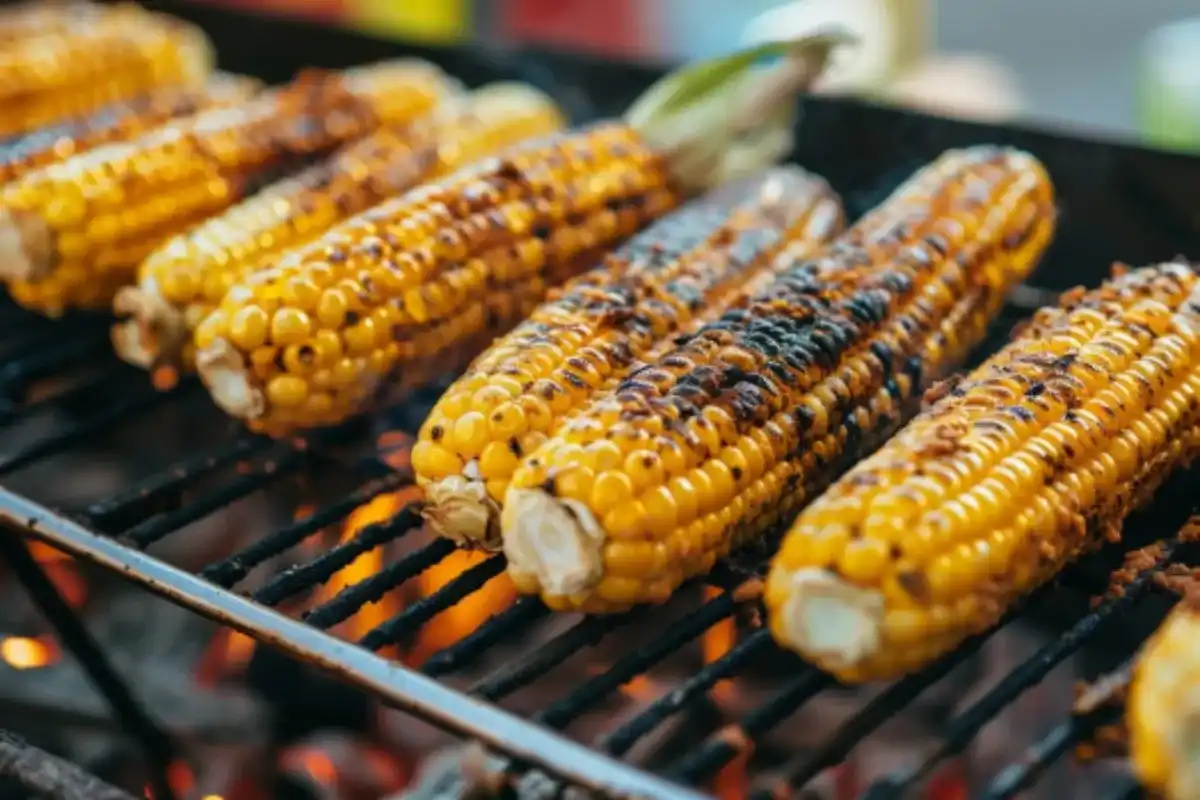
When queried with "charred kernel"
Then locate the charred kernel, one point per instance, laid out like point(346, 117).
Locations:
point(1009, 487)
point(595, 330)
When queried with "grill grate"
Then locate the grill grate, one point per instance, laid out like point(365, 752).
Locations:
point(64, 401)
point(152, 510)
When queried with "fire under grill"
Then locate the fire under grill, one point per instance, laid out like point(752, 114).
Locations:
point(311, 558)
point(438, 633)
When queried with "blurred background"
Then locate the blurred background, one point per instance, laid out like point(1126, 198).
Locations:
point(1127, 69)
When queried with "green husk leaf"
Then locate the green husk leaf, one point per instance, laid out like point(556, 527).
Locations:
point(729, 117)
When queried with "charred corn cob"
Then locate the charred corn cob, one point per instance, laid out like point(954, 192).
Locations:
point(689, 264)
point(73, 233)
point(1163, 710)
point(118, 122)
point(1034, 458)
point(184, 280)
point(420, 283)
point(730, 431)
point(114, 54)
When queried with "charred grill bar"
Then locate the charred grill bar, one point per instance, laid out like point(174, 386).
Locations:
point(64, 399)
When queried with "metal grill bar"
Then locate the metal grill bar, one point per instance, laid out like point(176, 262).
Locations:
point(11, 413)
point(963, 728)
point(53, 445)
point(133, 505)
point(878, 711)
point(228, 572)
point(521, 672)
point(412, 618)
point(498, 628)
point(706, 760)
point(75, 637)
point(264, 473)
point(295, 580)
point(621, 740)
point(560, 713)
point(407, 690)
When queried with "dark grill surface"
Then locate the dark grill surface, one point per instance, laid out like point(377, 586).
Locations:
point(169, 463)
point(89, 404)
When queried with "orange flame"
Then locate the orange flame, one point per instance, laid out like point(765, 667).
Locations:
point(228, 654)
point(22, 652)
point(732, 781)
point(717, 641)
point(462, 618)
point(377, 510)
point(63, 572)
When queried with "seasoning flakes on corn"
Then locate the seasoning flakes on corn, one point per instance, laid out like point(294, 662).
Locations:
point(119, 122)
point(420, 284)
point(690, 264)
point(739, 425)
point(73, 233)
point(184, 280)
point(1033, 459)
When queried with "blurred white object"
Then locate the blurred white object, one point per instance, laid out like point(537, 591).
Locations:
point(889, 31)
point(964, 86)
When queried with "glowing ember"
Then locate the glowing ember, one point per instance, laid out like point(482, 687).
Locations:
point(467, 614)
point(21, 652)
point(228, 654)
point(395, 450)
point(63, 572)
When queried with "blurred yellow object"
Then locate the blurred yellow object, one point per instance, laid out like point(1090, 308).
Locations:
point(434, 21)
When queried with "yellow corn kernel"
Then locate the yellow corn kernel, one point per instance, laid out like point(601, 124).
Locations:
point(420, 284)
point(103, 55)
point(690, 264)
point(757, 411)
point(184, 280)
point(1035, 458)
point(119, 122)
point(74, 232)
point(425, 280)
point(1163, 707)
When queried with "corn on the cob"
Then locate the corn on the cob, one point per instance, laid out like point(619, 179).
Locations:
point(1036, 457)
point(724, 435)
point(1163, 706)
point(184, 280)
point(115, 54)
point(73, 233)
point(421, 283)
point(690, 264)
point(117, 122)
point(41, 17)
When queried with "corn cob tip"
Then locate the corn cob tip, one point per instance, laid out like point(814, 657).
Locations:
point(553, 543)
point(728, 118)
point(834, 623)
point(227, 378)
point(151, 330)
point(26, 247)
point(459, 509)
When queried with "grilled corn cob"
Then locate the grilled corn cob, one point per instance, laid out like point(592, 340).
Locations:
point(420, 283)
point(1163, 711)
point(118, 122)
point(724, 435)
point(73, 233)
point(184, 280)
point(689, 264)
point(114, 54)
point(1033, 459)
